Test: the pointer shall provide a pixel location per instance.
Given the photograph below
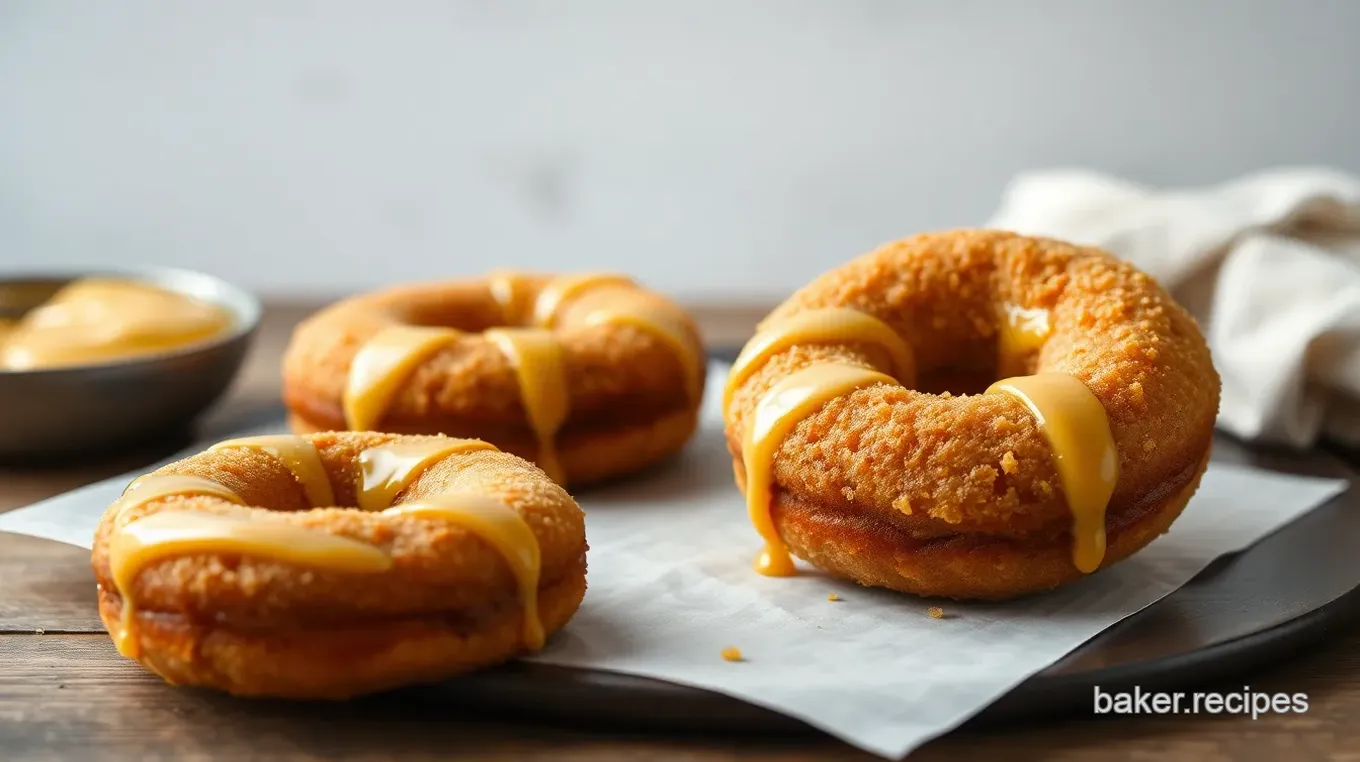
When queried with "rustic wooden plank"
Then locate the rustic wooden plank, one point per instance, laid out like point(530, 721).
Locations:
point(45, 586)
point(72, 697)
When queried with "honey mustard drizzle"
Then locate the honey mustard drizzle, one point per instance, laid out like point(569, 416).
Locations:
point(1021, 332)
point(384, 471)
point(539, 360)
point(507, 291)
point(150, 487)
point(561, 290)
point(141, 491)
point(781, 408)
point(1084, 455)
point(1073, 422)
point(383, 364)
point(634, 307)
point(831, 324)
point(666, 323)
point(504, 529)
point(135, 545)
point(177, 533)
point(298, 455)
point(540, 371)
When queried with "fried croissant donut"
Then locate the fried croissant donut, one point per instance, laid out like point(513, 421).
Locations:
point(333, 565)
point(591, 376)
point(855, 455)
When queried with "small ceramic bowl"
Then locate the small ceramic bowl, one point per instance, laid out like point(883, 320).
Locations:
point(46, 414)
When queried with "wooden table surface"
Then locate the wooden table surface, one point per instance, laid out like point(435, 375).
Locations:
point(66, 694)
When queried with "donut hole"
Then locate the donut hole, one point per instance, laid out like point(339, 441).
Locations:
point(969, 365)
point(467, 306)
point(962, 350)
point(473, 307)
point(955, 381)
point(469, 316)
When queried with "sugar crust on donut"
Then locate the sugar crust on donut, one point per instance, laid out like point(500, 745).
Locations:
point(632, 396)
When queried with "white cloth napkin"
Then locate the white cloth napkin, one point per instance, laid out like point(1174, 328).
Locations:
point(671, 586)
point(1269, 264)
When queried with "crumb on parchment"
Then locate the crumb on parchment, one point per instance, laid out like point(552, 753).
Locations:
point(935, 612)
point(732, 653)
point(832, 597)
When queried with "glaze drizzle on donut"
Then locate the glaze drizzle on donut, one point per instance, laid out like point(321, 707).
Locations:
point(504, 529)
point(298, 455)
point(383, 364)
point(384, 472)
point(150, 487)
point(1084, 455)
point(660, 319)
point(562, 290)
point(507, 291)
point(832, 324)
point(1021, 333)
point(145, 489)
point(387, 470)
point(175, 533)
point(537, 358)
point(778, 411)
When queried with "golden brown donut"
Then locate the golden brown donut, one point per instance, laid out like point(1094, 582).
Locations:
point(888, 466)
point(337, 564)
point(595, 377)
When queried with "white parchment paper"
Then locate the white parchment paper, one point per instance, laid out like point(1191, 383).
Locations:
point(671, 585)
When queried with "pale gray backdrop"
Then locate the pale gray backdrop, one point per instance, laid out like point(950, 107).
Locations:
point(717, 148)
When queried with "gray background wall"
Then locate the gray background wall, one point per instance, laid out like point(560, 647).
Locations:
point(715, 148)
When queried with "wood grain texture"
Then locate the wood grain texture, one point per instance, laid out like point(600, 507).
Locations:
point(45, 586)
point(65, 694)
point(71, 697)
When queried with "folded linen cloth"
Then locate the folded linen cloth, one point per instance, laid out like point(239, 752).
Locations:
point(1269, 264)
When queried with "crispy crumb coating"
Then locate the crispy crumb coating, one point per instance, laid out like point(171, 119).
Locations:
point(865, 485)
point(629, 406)
point(258, 626)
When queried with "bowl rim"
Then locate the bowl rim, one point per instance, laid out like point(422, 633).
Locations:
point(244, 306)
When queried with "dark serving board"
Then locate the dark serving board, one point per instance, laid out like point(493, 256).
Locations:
point(1288, 591)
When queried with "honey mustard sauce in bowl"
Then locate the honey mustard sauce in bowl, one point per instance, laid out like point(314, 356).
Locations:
point(92, 361)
